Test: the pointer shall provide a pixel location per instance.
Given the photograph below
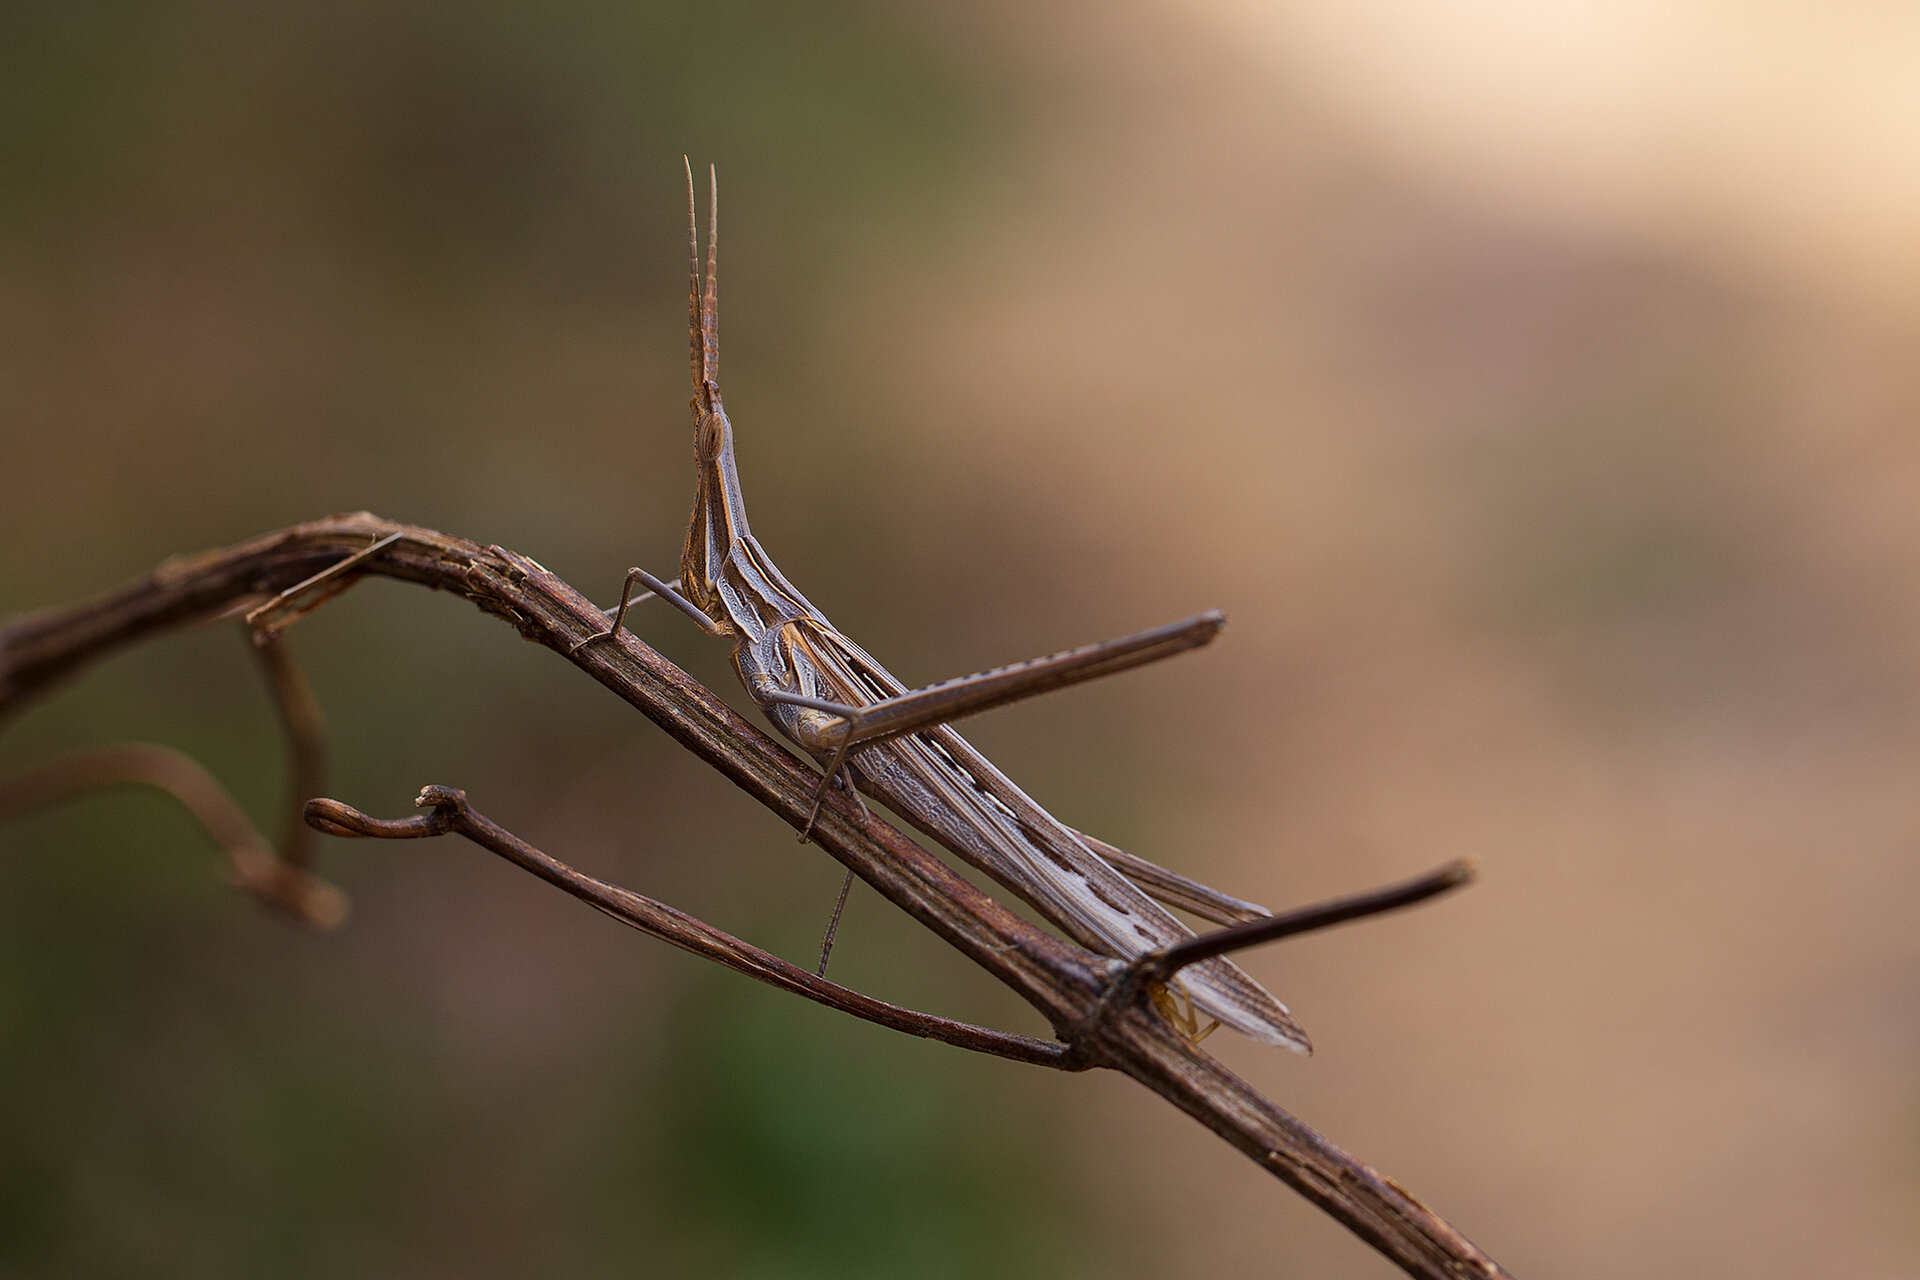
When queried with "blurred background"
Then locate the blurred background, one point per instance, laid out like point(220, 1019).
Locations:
point(1533, 385)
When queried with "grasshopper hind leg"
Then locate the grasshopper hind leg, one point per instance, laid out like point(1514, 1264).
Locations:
point(833, 924)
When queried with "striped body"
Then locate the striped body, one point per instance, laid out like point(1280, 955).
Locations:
point(930, 775)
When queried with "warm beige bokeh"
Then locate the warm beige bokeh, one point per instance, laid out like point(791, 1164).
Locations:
point(1779, 140)
point(1536, 386)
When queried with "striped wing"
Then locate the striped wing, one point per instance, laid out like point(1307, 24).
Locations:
point(954, 794)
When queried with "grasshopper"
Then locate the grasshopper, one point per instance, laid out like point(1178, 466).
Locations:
point(872, 734)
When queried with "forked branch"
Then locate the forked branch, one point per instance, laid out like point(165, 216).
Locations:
point(282, 879)
point(1095, 1005)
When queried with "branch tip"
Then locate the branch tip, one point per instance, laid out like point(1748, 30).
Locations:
point(1158, 966)
point(337, 818)
point(450, 801)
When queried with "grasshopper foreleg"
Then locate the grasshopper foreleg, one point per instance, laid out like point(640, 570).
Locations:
point(668, 591)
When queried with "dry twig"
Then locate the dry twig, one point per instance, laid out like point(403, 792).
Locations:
point(283, 880)
point(1097, 1007)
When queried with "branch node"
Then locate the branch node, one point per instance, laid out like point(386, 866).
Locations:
point(448, 804)
point(285, 609)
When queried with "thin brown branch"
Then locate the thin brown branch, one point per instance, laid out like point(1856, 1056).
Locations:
point(282, 880)
point(1158, 966)
point(1071, 988)
point(255, 866)
point(450, 812)
point(306, 734)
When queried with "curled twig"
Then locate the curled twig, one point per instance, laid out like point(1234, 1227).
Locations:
point(283, 880)
point(255, 866)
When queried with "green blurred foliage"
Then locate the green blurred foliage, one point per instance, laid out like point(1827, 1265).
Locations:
point(262, 261)
point(800, 1147)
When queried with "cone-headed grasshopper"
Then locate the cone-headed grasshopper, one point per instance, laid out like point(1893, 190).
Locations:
point(829, 697)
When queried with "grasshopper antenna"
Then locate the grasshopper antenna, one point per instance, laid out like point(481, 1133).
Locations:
point(710, 310)
point(703, 312)
point(703, 329)
point(693, 281)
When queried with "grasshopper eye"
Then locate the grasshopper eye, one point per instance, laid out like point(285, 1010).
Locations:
point(709, 437)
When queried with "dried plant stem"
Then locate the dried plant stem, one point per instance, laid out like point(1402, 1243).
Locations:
point(450, 812)
point(1158, 966)
point(306, 734)
point(1071, 988)
point(282, 880)
point(255, 866)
